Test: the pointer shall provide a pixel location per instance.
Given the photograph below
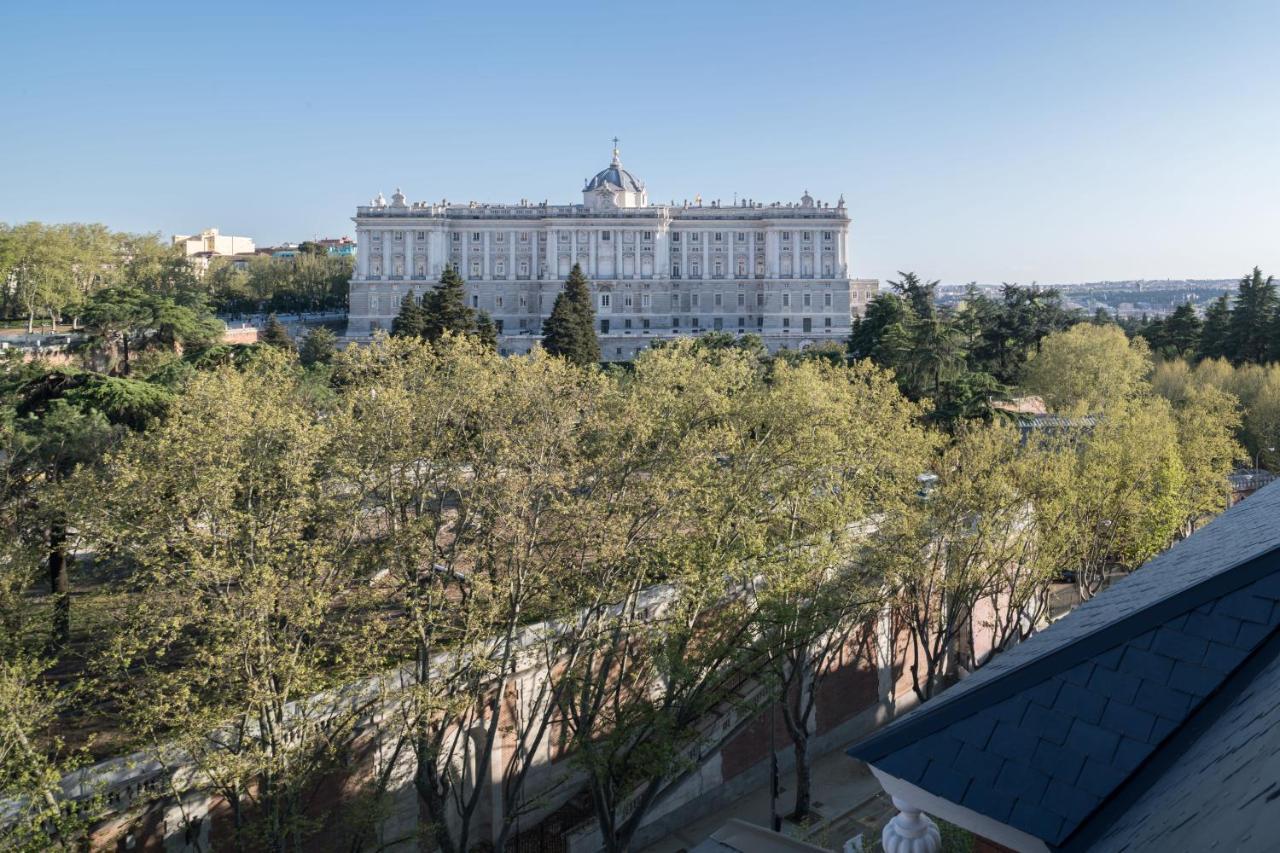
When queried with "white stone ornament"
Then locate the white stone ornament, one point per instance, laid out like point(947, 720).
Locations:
point(910, 831)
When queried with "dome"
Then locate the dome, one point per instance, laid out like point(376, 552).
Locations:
point(616, 176)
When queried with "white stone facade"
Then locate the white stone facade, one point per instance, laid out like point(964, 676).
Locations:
point(776, 270)
point(210, 241)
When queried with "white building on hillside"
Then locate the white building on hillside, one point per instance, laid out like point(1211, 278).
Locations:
point(209, 242)
point(779, 270)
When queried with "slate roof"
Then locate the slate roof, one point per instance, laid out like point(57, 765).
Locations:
point(1067, 733)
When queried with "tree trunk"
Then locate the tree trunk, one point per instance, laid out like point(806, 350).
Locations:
point(59, 583)
point(31, 321)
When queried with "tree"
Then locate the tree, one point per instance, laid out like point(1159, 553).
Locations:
point(885, 311)
point(835, 446)
point(1120, 495)
point(318, 347)
point(1249, 332)
point(125, 320)
point(1087, 368)
point(411, 322)
point(472, 465)
point(972, 538)
point(570, 329)
point(276, 335)
point(239, 534)
point(1214, 331)
point(445, 309)
point(917, 293)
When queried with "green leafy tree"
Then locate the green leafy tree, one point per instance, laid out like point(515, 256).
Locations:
point(1088, 368)
point(570, 331)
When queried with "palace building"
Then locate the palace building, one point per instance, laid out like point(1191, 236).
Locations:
point(657, 271)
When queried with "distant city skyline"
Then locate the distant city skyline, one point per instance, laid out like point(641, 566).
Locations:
point(995, 141)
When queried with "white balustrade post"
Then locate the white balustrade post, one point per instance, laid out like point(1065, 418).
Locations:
point(910, 831)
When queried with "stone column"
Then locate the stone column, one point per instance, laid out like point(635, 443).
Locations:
point(910, 831)
point(617, 253)
point(409, 268)
point(362, 254)
point(386, 253)
point(511, 255)
point(573, 247)
point(484, 254)
point(706, 253)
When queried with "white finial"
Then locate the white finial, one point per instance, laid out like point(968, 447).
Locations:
point(616, 162)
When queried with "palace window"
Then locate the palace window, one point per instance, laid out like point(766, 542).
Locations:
point(627, 301)
point(524, 300)
point(826, 235)
point(422, 235)
point(564, 236)
point(604, 329)
point(786, 324)
point(742, 299)
point(605, 300)
point(645, 300)
point(604, 235)
point(742, 236)
point(694, 237)
point(807, 236)
point(807, 324)
point(644, 324)
point(826, 300)
point(742, 268)
point(719, 237)
point(717, 300)
point(694, 300)
point(524, 268)
point(456, 237)
point(675, 236)
point(675, 323)
point(500, 269)
point(717, 323)
point(675, 270)
point(742, 323)
point(786, 236)
point(502, 236)
point(524, 236)
point(695, 270)
point(475, 269)
point(786, 300)
point(626, 324)
point(719, 267)
point(475, 301)
point(646, 237)
point(826, 321)
point(808, 300)
point(475, 236)
point(760, 300)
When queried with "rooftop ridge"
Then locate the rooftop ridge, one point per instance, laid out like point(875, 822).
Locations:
point(979, 692)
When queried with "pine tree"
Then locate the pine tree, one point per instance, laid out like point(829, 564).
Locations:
point(276, 335)
point(570, 330)
point(1213, 334)
point(1252, 317)
point(445, 308)
point(318, 347)
point(411, 321)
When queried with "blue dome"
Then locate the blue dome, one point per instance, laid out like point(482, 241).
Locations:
point(616, 176)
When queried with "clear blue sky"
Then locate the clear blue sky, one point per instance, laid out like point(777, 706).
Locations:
point(989, 141)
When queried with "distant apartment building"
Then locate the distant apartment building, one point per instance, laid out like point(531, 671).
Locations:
point(210, 242)
point(779, 270)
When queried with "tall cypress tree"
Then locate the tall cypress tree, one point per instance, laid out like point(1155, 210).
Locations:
point(1252, 319)
point(570, 331)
